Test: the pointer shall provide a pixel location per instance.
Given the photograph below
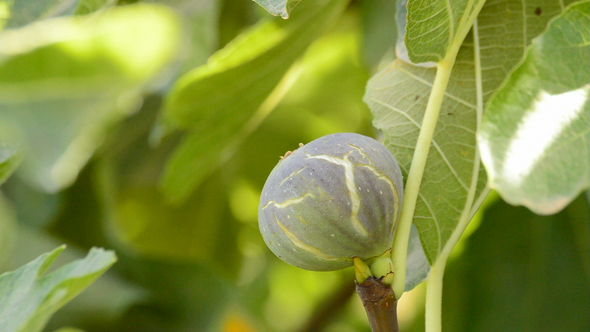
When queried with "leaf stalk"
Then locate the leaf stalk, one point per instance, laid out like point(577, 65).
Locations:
point(412, 189)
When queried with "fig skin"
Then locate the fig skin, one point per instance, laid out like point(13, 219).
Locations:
point(331, 200)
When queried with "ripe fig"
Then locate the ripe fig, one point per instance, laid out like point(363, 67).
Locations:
point(331, 200)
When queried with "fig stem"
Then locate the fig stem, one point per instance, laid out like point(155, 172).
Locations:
point(361, 270)
point(380, 304)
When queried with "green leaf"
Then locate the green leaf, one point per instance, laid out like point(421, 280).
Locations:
point(64, 81)
point(103, 303)
point(280, 8)
point(454, 181)
point(227, 98)
point(434, 27)
point(522, 272)
point(535, 138)
point(29, 298)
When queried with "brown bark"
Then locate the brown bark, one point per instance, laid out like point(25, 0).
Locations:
point(380, 304)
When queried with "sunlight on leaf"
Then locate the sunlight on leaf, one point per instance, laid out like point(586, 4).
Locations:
point(398, 95)
point(30, 298)
point(535, 137)
point(64, 81)
point(539, 130)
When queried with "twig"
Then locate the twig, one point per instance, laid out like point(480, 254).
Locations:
point(380, 304)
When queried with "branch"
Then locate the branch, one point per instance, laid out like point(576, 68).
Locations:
point(380, 304)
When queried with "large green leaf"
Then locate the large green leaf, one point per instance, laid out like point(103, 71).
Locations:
point(535, 135)
point(64, 81)
point(281, 8)
point(453, 182)
point(434, 27)
point(98, 307)
point(29, 298)
point(216, 101)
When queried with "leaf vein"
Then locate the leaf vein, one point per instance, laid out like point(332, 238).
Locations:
point(429, 84)
point(438, 232)
point(449, 165)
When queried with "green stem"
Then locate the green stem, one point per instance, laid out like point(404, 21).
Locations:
point(434, 283)
point(412, 189)
point(434, 287)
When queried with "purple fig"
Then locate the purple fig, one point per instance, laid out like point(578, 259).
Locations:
point(331, 200)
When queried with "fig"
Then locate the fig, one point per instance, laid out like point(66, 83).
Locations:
point(330, 201)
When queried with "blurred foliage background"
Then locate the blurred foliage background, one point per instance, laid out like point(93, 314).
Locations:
point(122, 143)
